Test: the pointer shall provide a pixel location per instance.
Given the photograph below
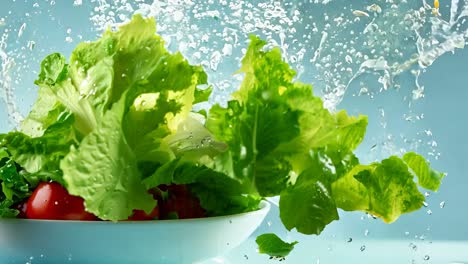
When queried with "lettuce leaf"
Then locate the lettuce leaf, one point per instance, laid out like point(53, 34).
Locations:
point(384, 189)
point(428, 178)
point(272, 245)
point(103, 171)
point(282, 141)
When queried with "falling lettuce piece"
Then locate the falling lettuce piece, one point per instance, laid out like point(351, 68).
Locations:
point(308, 205)
point(427, 177)
point(103, 171)
point(385, 189)
point(273, 246)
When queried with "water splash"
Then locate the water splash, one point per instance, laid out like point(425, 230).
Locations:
point(338, 41)
point(7, 92)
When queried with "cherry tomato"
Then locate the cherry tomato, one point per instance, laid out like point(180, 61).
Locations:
point(52, 201)
point(180, 203)
point(141, 215)
point(22, 207)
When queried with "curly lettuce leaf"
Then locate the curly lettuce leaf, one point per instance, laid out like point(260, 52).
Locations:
point(428, 178)
point(103, 171)
point(273, 123)
point(386, 189)
point(40, 156)
point(308, 205)
point(160, 89)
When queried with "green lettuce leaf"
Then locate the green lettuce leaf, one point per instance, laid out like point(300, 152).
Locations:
point(103, 171)
point(308, 205)
point(40, 156)
point(160, 89)
point(427, 177)
point(273, 246)
point(385, 189)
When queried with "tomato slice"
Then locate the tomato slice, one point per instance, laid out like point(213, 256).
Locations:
point(52, 201)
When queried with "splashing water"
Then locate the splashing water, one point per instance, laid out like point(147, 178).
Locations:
point(337, 41)
point(6, 88)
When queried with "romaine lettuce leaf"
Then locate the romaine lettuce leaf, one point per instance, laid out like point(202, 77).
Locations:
point(160, 89)
point(428, 178)
point(386, 189)
point(103, 171)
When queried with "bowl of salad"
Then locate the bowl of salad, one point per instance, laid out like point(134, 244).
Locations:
point(135, 241)
point(115, 161)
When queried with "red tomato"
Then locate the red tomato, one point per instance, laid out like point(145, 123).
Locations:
point(180, 202)
point(22, 207)
point(52, 201)
point(141, 215)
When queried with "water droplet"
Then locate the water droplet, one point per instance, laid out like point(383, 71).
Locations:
point(348, 59)
point(350, 240)
point(215, 60)
point(31, 44)
point(52, 2)
point(178, 16)
point(366, 232)
point(21, 30)
point(56, 203)
point(227, 49)
point(77, 2)
point(363, 247)
point(427, 257)
point(243, 152)
point(407, 233)
point(413, 246)
point(442, 204)
point(427, 194)
point(68, 39)
point(360, 13)
point(429, 212)
point(374, 8)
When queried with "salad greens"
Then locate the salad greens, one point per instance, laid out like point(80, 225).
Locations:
point(117, 120)
point(275, 247)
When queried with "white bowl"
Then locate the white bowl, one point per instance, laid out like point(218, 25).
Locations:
point(167, 241)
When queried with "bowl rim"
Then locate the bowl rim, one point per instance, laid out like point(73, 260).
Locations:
point(263, 207)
